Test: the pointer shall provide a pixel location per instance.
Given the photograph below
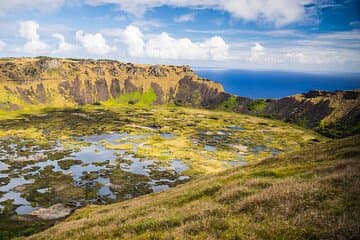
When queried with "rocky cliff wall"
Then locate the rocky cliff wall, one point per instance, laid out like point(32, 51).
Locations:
point(31, 81)
point(335, 114)
point(67, 82)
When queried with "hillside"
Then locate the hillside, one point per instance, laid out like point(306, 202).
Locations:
point(28, 83)
point(309, 194)
point(105, 154)
point(78, 134)
point(334, 114)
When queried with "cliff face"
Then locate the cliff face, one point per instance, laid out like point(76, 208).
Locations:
point(61, 82)
point(67, 82)
point(335, 114)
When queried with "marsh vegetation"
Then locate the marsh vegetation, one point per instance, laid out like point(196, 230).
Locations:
point(104, 154)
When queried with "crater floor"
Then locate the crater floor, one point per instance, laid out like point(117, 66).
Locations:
point(100, 155)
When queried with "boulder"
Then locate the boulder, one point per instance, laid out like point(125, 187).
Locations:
point(157, 71)
point(54, 212)
point(46, 64)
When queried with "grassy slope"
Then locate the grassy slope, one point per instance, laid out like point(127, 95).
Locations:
point(313, 193)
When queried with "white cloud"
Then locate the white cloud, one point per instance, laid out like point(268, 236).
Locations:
point(148, 24)
point(2, 44)
point(34, 45)
point(296, 56)
point(279, 12)
point(133, 38)
point(341, 35)
point(163, 46)
point(217, 48)
point(257, 52)
point(185, 18)
point(311, 56)
point(64, 47)
point(20, 5)
point(166, 47)
point(94, 43)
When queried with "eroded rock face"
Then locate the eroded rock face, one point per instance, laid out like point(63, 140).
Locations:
point(113, 71)
point(89, 81)
point(186, 68)
point(242, 105)
point(289, 109)
point(115, 89)
point(314, 109)
point(159, 93)
point(102, 90)
point(54, 212)
point(198, 93)
point(46, 64)
point(82, 92)
point(130, 87)
point(41, 93)
point(131, 69)
point(317, 93)
point(98, 70)
point(158, 71)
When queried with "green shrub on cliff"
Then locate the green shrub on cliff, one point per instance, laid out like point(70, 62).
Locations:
point(258, 105)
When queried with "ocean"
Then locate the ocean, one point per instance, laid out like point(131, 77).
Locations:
point(277, 84)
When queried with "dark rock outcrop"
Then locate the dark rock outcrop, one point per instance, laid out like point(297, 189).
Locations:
point(131, 69)
point(198, 93)
point(48, 63)
point(113, 71)
point(41, 93)
point(290, 109)
point(102, 90)
point(130, 87)
point(242, 105)
point(98, 70)
point(159, 93)
point(332, 113)
point(28, 80)
point(158, 71)
point(115, 89)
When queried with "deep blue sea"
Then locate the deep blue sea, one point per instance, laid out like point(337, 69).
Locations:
point(277, 84)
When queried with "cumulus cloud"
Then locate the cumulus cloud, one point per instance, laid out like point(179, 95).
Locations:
point(94, 43)
point(217, 48)
point(163, 46)
point(134, 40)
point(185, 18)
point(39, 5)
point(257, 52)
point(63, 47)
point(279, 12)
point(34, 45)
point(166, 47)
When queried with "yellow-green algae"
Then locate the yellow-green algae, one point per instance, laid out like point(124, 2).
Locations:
point(232, 137)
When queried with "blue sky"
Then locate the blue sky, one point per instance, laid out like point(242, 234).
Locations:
point(290, 35)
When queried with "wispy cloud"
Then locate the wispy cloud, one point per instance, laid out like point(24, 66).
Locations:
point(149, 24)
point(7, 7)
point(279, 12)
point(185, 18)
